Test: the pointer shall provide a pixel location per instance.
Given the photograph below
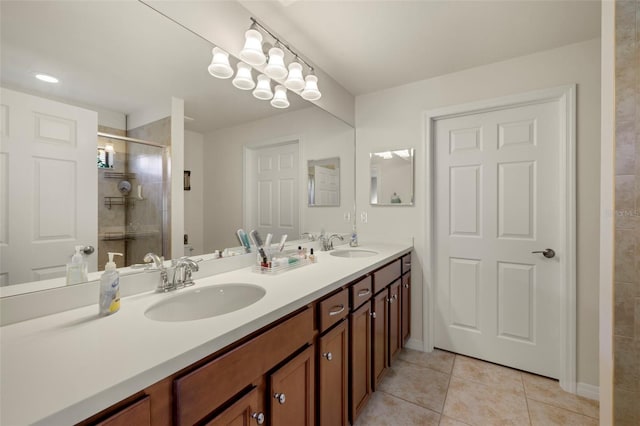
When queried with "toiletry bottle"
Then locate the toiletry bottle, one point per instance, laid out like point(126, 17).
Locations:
point(312, 257)
point(110, 288)
point(354, 237)
point(77, 269)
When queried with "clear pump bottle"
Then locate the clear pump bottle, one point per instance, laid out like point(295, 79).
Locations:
point(109, 302)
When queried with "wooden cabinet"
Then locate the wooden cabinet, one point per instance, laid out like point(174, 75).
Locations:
point(359, 360)
point(138, 413)
point(380, 335)
point(395, 321)
point(292, 391)
point(405, 299)
point(333, 379)
point(317, 365)
point(244, 412)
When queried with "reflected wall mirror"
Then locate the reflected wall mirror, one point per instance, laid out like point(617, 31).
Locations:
point(323, 184)
point(126, 78)
point(392, 177)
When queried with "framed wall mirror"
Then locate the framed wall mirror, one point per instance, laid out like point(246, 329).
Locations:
point(323, 184)
point(392, 177)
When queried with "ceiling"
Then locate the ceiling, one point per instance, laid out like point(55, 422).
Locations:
point(124, 57)
point(369, 45)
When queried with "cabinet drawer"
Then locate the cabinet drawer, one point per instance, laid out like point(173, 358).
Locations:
point(203, 390)
point(406, 263)
point(333, 309)
point(138, 413)
point(361, 292)
point(386, 275)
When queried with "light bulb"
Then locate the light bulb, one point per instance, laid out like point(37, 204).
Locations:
point(219, 66)
point(244, 78)
point(295, 80)
point(310, 91)
point(252, 52)
point(275, 68)
point(280, 97)
point(263, 88)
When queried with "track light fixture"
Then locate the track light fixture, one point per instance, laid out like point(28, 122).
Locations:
point(252, 54)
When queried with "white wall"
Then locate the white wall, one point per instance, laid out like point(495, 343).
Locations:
point(321, 135)
point(393, 119)
point(193, 199)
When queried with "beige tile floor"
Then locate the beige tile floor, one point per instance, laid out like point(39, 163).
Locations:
point(442, 388)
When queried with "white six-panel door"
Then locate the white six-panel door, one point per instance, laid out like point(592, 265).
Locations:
point(496, 202)
point(275, 191)
point(48, 186)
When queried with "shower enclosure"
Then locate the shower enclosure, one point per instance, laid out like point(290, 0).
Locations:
point(133, 198)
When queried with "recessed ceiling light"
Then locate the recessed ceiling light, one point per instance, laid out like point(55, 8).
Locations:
point(47, 78)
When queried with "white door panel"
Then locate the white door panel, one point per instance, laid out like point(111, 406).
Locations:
point(48, 186)
point(274, 190)
point(496, 202)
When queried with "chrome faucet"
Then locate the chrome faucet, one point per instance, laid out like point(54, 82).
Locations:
point(158, 264)
point(183, 269)
point(327, 242)
point(309, 235)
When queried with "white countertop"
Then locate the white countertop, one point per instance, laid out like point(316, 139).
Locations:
point(63, 368)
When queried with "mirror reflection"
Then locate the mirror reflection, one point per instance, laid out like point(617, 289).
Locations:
point(323, 182)
point(391, 177)
point(100, 176)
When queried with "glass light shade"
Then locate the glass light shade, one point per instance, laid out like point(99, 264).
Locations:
point(263, 88)
point(295, 80)
point(310, 91)
point(252, 52)
point(275, 67)
point(219, 66)
point(244, 78)
point(280, 98)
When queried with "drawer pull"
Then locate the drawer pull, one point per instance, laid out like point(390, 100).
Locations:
point(328, 356)
point(336, 312)
point(364, 292)
point(280, 397)
point(407, 263)
point(373, 315)
point(259, 417)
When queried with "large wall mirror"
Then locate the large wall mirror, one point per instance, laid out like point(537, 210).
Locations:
point(119, 78)
point(391, 177)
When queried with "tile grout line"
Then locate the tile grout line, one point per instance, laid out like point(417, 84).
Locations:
point(526, 400)
point(446, 394)
point(409, 402)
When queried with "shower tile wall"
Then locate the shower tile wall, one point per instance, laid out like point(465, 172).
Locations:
point(627, 200)
point(110, 221)
point(145, 218)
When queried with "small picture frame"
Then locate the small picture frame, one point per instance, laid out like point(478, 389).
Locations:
point(187, 180)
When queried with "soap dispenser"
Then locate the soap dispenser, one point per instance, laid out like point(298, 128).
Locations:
point(77, 269)
point(109, 302)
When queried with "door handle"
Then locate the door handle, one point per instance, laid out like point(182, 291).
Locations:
point(548, 253)
point(88, 250)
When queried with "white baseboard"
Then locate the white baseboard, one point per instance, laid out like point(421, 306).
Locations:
point(588, 391)
point(414, 344)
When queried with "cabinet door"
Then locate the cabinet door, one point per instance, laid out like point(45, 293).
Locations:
point(244, 412)
point(292, 393)
point(332, 375)
point(405, 298)
point(380, 335)
point(360, 359)
point(395, 321)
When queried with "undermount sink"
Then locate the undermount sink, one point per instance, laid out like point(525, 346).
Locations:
point(353, 253)
point(206, 302)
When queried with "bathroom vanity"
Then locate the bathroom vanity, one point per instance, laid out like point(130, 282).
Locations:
point(311, 351)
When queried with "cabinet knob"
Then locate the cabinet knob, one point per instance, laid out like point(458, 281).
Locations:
point(259, 417)
point(406, 286)
point(373, 315)
point(280, 397)
point(328, 356)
